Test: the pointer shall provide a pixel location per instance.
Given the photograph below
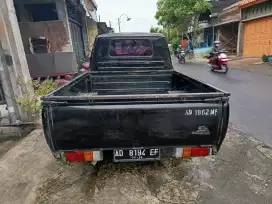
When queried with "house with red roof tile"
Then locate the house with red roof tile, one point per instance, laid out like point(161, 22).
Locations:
point(255, 30)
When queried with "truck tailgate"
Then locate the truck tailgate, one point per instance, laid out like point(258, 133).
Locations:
point(148, 125)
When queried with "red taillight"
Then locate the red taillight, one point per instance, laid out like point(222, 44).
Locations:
point(91, 156)
point(200, 151)
point(74, 156)
point(189, 152)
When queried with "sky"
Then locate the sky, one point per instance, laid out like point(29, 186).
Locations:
point(141, 12)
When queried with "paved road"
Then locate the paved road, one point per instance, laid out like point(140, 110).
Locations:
point(251, 99)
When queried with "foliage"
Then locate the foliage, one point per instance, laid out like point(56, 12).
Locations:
point(175, 13)
point(181, 14)
point(169, 33)
point(156, 30)
point(175, 43)
point(31, 103)
point(205, 54)
point(43, 88)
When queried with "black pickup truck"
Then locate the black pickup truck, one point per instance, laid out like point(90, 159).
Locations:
point(134, 106)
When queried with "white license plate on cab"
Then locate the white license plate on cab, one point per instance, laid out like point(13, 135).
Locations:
point(143, 154)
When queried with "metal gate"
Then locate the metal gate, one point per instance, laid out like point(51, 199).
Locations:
point(75, 23)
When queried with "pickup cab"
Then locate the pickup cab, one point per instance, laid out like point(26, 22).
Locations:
point(133, 106)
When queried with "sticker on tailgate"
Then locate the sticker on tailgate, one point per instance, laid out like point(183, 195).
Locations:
point(202, 130)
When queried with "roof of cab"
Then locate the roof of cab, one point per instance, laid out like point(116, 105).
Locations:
point(116, 35)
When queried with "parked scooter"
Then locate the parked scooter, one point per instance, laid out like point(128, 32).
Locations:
point(221, 64)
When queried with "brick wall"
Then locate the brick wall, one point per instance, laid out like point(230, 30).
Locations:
point(54, 31)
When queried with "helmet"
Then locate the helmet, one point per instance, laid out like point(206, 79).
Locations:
point(216, 43)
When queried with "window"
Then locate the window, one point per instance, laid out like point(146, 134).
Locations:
point(137, 47)
point(42, 12)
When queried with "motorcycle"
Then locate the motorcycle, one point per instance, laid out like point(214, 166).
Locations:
point(221, 65)
point(180, 56)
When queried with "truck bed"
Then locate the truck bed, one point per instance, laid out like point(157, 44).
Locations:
point(108, 110)
point(122, 83)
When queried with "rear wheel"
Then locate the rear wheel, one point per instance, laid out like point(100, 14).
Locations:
point(182, 60)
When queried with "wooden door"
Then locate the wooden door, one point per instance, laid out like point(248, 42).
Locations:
point(258, 37)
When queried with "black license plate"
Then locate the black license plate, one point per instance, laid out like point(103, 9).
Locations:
point(146, 154)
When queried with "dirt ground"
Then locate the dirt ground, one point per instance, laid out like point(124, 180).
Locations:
point(240, 174)
point(5, 146)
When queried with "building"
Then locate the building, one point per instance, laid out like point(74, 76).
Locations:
point(62, 23)
point(13, 62)
point(58, 35)
point(39, 37)
point(255, 31)
point(227, 27)
point(92, 23)
point(213, 25)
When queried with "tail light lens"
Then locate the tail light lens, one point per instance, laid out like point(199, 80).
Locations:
point(200, 152)
point(83, 156)
point(74, 156)
point(187, 152)
point(192, 152)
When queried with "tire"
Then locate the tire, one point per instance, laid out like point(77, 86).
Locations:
point(181, 61)
point(226, 68)
point(210, 67)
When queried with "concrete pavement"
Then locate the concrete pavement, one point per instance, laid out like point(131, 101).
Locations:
point(251, 97)
point(241, 173)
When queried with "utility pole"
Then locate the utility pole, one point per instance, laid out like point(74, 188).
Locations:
point(119, 26)
point(119, 21)
point(5, 87)
point(168, 29)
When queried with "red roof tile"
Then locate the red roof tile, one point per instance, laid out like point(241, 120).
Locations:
point(247, 3)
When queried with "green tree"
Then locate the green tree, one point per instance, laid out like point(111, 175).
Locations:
point(169, 33)
point(156, 30)
point(180, 14)
point(175, 43)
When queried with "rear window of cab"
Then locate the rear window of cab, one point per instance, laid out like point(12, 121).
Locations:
point(130, 47)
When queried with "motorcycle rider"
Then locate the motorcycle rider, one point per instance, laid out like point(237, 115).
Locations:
point(178, 50)
point(215, 50)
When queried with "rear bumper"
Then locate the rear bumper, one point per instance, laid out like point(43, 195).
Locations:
point(175, 152)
